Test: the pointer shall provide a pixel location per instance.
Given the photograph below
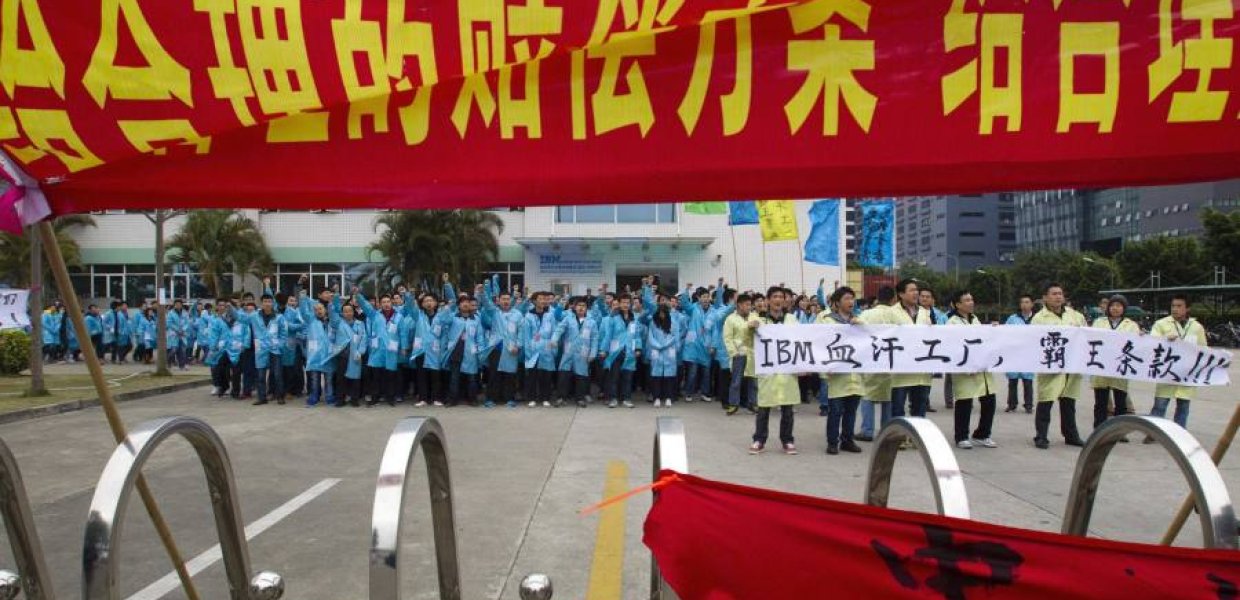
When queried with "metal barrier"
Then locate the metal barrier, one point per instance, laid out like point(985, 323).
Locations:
point(32, 575)
point(1218, 518)
point(410, 434)
point(945, 478)
point(100, 552)
point(671, 451)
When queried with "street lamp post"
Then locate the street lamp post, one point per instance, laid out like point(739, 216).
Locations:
point(998, 286)
point(1110, 272)
point(956, 260)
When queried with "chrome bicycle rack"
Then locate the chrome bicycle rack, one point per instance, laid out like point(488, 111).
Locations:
point(1209, 492)
point(949, 493)
point(409, 435)
point(671, 451)
point(32, 575)
point(104, 523)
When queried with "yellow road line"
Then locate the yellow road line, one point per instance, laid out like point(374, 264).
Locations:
point(607, 568)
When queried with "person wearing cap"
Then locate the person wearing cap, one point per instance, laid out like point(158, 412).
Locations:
point(1106, 388)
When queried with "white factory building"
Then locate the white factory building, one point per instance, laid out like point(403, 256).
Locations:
point(562, 249)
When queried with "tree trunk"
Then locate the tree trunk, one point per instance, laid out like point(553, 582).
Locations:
point(161, 309)
point(37, 385)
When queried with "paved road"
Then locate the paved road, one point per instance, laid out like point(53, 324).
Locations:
point(520, 478)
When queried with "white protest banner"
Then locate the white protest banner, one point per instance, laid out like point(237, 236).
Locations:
point(14, 313)
point(976, 348)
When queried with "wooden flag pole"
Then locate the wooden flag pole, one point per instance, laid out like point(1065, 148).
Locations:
point(1220, 450)
point(57, 262)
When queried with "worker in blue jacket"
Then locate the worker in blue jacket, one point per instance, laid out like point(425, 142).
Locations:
point(425, 328)
point(350, 361)
point(577, 337)
point(292, 359)
point(326, 337)
point(176, 325)
point(240, 350)
point(270, 335)
point(462, 340)
point(116, 324)
point(721, 365)
point(695, 356)
point(537, 331)
point(383, 325)
point(216, 340)
point(53, 320)
point(503, 344)
point(94, 327)
point(662, 343)
point(620, 350)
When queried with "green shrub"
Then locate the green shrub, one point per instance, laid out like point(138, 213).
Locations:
point(14, 351)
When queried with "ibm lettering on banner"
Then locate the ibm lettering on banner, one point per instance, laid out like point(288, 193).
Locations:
point(13, 309)
point(1036, 349)
point(556, 264)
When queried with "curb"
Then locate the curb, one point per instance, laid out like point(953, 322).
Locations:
point(26, 414)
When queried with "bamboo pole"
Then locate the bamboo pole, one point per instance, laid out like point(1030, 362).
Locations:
point(57, 261)
point(1220, 450)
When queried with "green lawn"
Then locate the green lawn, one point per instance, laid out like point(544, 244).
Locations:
point(77, 387)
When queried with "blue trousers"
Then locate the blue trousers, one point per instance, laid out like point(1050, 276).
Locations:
point(917, 397)
point(1181, 410)
point(867, 416)
point(320, 385)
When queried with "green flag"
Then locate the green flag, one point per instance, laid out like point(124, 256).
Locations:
point(707, 208)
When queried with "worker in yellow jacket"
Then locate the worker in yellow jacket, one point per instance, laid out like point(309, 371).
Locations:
point(910, 388)
point(843, 389)
point(738, 341)
point(777, 390)
point(1178, 327)
point(968, 387)
point(1106, 388)
point(876, 387)
point(1051, 387)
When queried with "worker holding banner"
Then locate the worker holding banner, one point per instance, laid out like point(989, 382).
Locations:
point(1177, 326)
point(1062, 387)
point(1106, 388)
point(843, 390)
point(913, 388)
point(1024, 316)
point(876, 386)
point(778, 389)
point(971, 386)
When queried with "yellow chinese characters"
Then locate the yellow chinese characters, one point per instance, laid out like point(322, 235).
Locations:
point(1204, 54)
point(1001, 47)
point(370, 90)
point(611, 110)
point(735, 104)
point(487, 28)
point(830, 65)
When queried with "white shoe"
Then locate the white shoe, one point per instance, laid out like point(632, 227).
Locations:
point(658, 403)
point(532, 403)
point(420, 403)
point(669, 403)
point(546, 404)
point(589, 399)
point(437, 403)
point(964, 445)
point(985, 443)
point(628, 404)
point(688, 398)
point(215, 391)
point(612, 404)
point(709, 399)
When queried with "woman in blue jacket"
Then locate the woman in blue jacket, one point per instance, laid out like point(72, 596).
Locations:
point(662, 342)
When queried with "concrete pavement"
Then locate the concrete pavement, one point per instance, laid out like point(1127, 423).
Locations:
point(520, 477)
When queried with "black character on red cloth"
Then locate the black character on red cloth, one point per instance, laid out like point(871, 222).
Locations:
point(959, 565)
point(1225, 588)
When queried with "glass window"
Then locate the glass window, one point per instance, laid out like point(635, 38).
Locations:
point(667, 213)
point(636, 213)
point(564, 214)
point(598, 213)
point(107, 268)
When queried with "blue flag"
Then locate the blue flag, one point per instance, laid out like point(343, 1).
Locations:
point(876, 234)
point(743, 212)
point(823, 244)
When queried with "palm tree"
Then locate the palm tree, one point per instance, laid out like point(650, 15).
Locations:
point(219, 242)
point(418, 245)
point(15, 250)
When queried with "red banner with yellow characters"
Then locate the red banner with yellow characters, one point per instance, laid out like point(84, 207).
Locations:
point(431, 103)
